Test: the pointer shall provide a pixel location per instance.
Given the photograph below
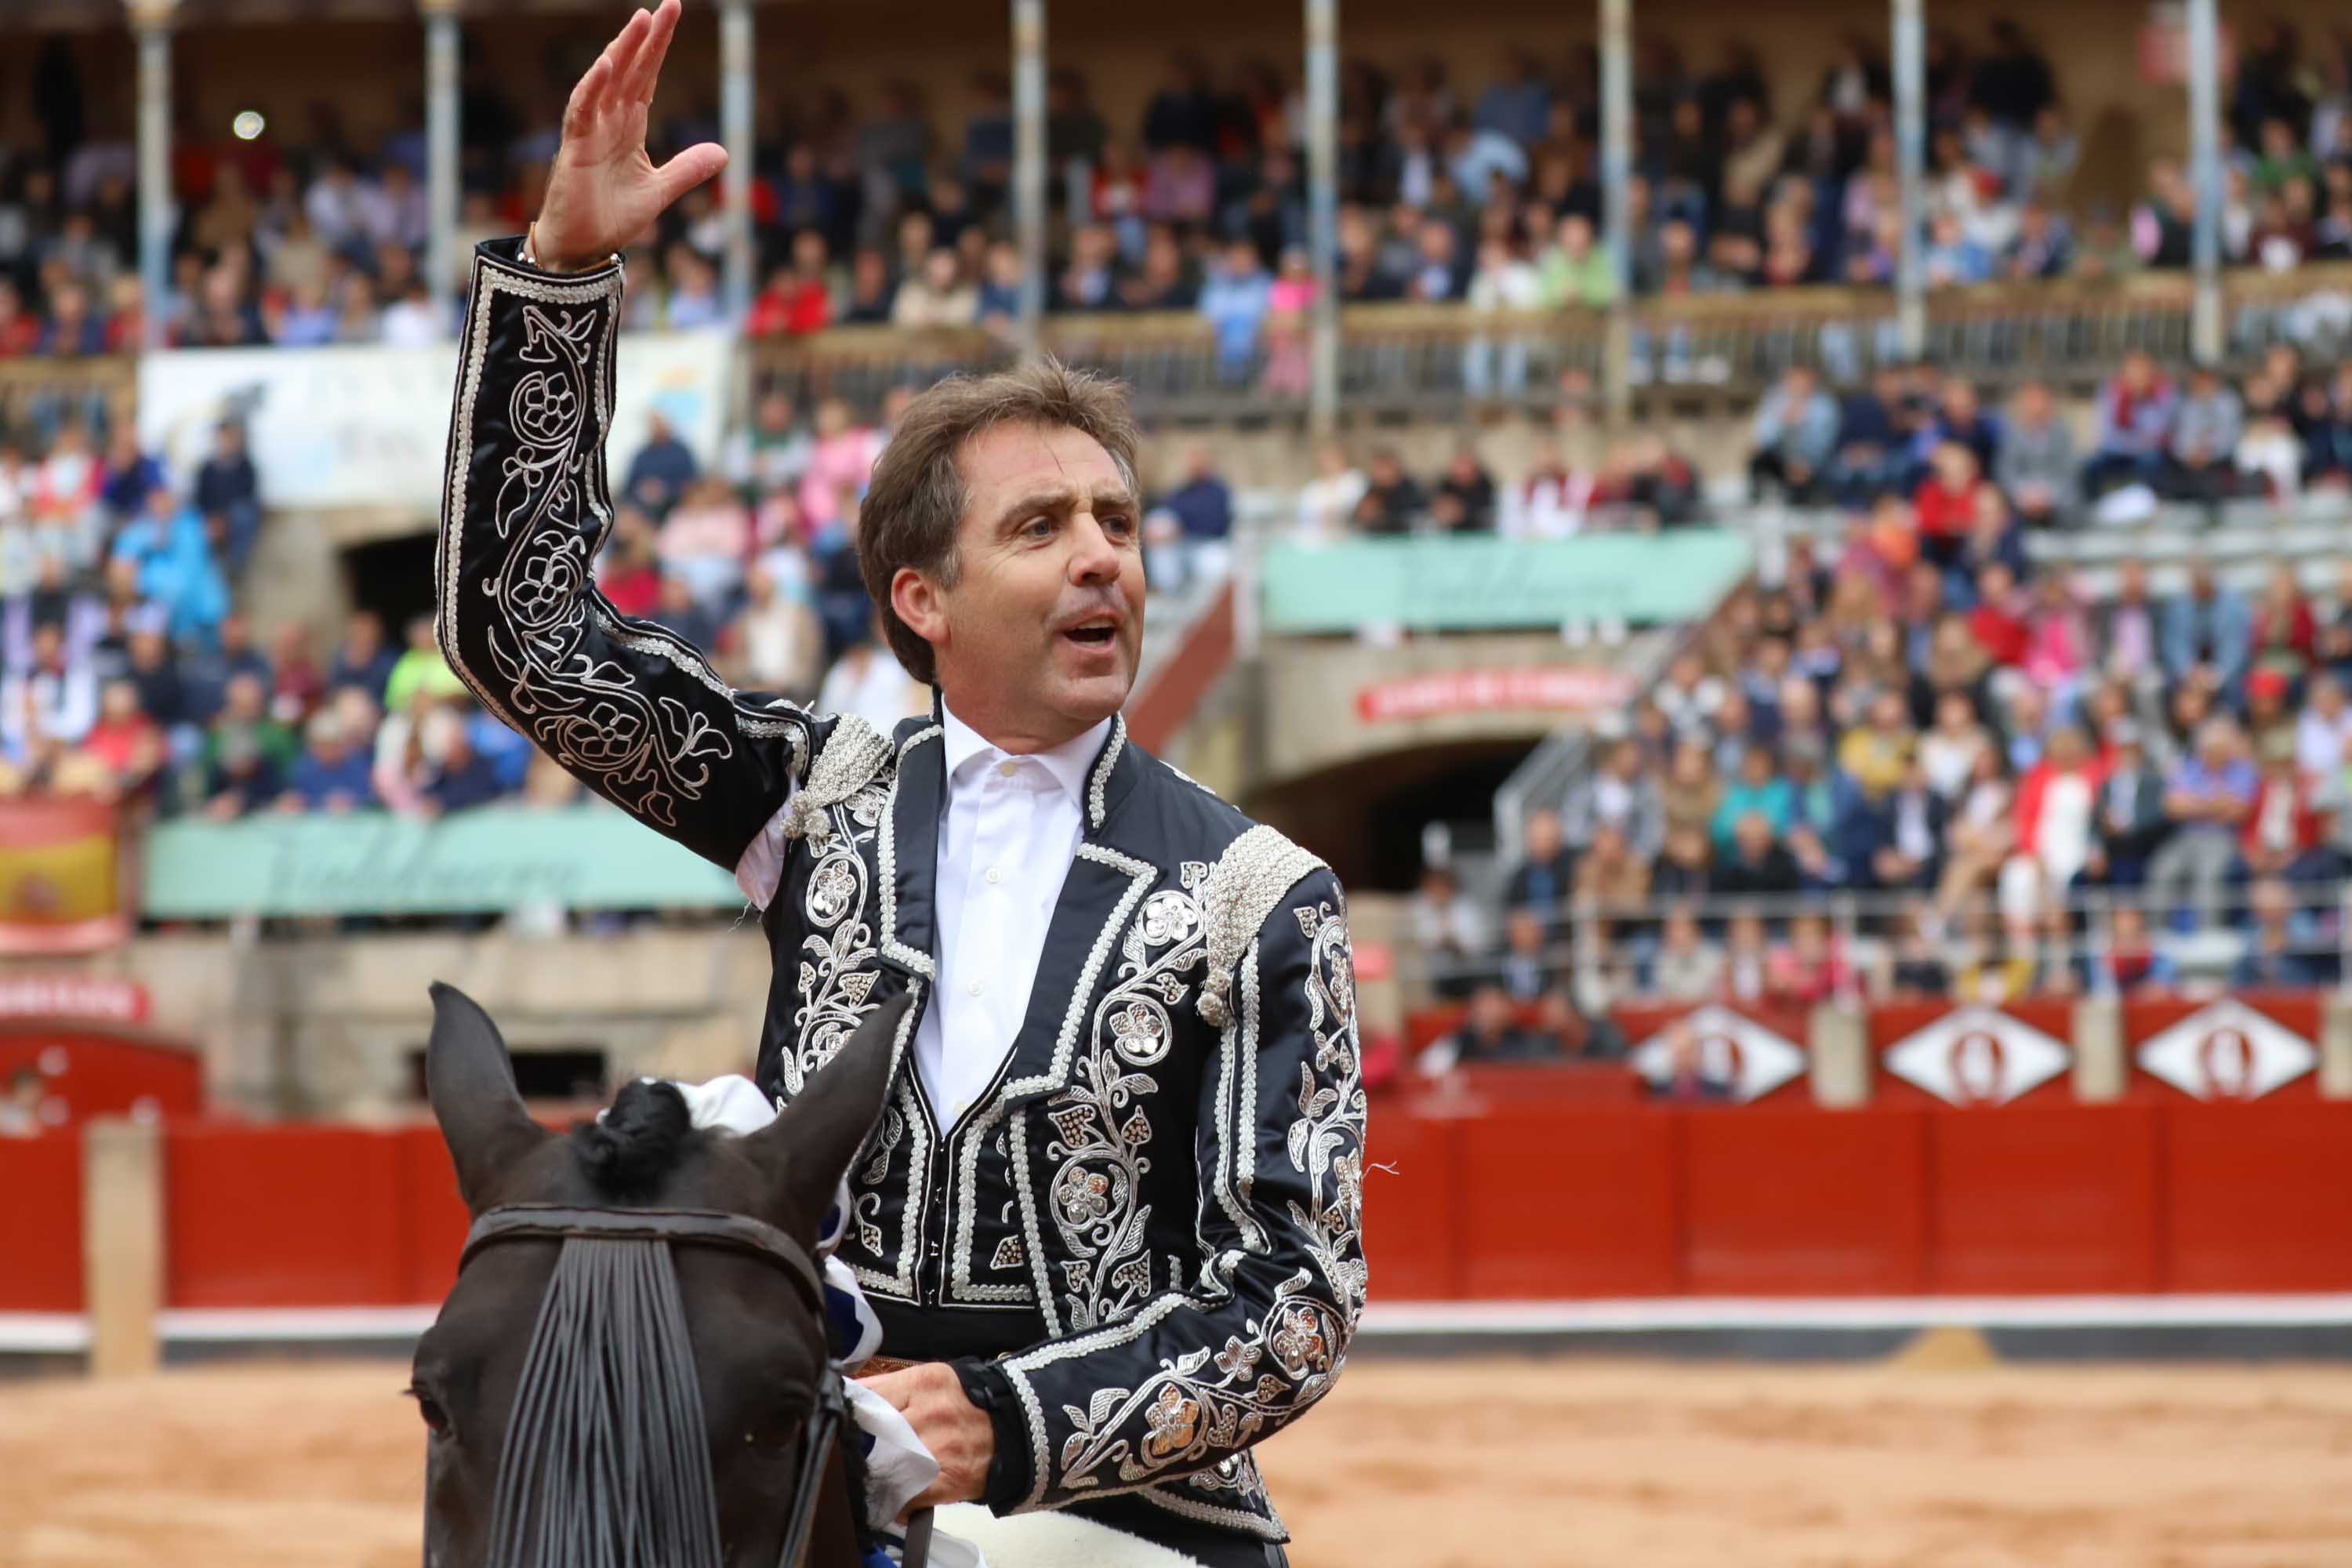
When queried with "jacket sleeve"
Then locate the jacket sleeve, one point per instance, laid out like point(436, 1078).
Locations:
point(1193, 1379)
point(627, 706)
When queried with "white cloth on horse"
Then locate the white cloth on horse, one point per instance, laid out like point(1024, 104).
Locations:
point(898, 1465)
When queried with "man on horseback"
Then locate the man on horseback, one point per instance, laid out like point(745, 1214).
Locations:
point(1112, 1213)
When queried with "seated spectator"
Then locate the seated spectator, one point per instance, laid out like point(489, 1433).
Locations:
point(1980, 832)
point(2200, 455)
point(772, 451)
point(1546, 873)
point(1573, 1032)
point(1201, 508)
point(1692, 1076)
point(2207, 637)
point(1944, 506)
point(662, 469)
point(872, 291)
point(1948, 748)
point(704, 542)
point(2057, 823)
point(226, 488)
point(130, 475)
point(52, 700)
point(363, 662)
point(166, 545)
point(779, 645)
point(1392, 502)
point(1610, 876)
point(1693, 791)
point(1877, 755)
point(2012, 964)
point(840, 460)
point(2323, 729)
point(2278, 956)
point(1870, 442)
point(421, 670)
point(1918, 972)
point(2206, 799)
point(1758, 790)
point(125, 749)
point(1623, 797)
point(2284, 632)
point(1755, 864)
point(1234, 296)
point(867, 680)
point(2127, 630)
point(2038, 463)
point(1907, 834)
point(1999, 620)
point(463, 777)
point(1526, 963)
point(296, 686)
point(1811, 969)
point(1795, 435)
point(2127, 963)
point(1472, 488)
point(2280, 836)
point(332, 774)
point(938, 296)
point(1449, 930)
point(1686, 967)
point(1490, 1032)
point(1326, 503)
point(1747, 958)
point(2135, 413)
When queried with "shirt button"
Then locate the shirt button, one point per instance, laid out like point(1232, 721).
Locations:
point(994, 874)
point(961, 1106)
point(975, 988)
point(1008, 767)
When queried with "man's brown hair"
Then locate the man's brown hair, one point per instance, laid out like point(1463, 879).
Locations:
point(915, 502)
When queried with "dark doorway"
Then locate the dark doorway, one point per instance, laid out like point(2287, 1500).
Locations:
point(1366, 817)
point(394, 577)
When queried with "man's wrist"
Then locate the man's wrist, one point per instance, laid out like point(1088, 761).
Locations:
point(534, 256)
point(1011, 1471)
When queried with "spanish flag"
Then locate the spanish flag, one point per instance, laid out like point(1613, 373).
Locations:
point(60, 876)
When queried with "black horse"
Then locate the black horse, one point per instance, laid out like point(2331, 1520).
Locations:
point(631, 1371)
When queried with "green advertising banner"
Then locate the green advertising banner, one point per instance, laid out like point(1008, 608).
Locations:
point(482, 861)
point(1488, 583)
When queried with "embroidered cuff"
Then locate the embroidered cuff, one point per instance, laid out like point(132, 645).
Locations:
point(985, 1384)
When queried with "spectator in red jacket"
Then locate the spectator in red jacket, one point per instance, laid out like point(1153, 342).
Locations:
point(797, 300)
point(1998, 622)
point(2280, 837)
point(1945, 504)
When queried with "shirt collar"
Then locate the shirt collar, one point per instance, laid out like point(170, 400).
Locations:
point(967, 751)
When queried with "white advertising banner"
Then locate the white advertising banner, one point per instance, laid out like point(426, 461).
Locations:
point(365, 427)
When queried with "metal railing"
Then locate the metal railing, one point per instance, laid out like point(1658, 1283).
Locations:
point(1433, 360)
point(1607, 950)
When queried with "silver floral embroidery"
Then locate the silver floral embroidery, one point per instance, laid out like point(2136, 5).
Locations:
point(1101, 1132)
point(838, 954)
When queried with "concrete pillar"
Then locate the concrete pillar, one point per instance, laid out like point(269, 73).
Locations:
point(1910, 37)
point(151, 20)
point(442, 110)
point(1029, 168)
point(1837, 1038)
point(2205, 174)
point(122, 1245)
point(2336, 1046)
point(2102, 1065)
point(741, 139)
point(1323, 212)
point(1616, 214)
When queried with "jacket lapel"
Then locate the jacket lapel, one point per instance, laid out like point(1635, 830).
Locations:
point(1107, 883)
point(908, 863)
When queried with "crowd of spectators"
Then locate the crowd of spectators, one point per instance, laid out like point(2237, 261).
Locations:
point(1484, 193)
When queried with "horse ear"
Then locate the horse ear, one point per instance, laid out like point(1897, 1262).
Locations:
point(806, 1148)
point(470, 1081)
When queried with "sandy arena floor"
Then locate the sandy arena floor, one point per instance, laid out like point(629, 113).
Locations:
point(1568, 1462)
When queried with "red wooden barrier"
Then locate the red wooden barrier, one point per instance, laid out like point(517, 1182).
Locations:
point(2256, 1196)
point(2042, 1198)
point(1411, 1240)
point(281, 1216)
point(1566, 1203)
point(94, 1069)
point(40, 1223)
point(1973, 1056)
point(1803, 1203)
point(432, 1217)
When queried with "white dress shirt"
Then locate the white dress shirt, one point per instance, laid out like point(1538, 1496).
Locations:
point(1009, 830)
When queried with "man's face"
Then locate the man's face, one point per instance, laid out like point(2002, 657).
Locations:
point(1042, 629)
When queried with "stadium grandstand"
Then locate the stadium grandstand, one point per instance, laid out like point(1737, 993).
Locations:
point(1802, 564)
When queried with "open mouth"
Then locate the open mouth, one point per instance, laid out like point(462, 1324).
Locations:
point(1095, 634)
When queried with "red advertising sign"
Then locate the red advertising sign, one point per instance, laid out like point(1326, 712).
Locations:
point(1546, 689)
point(95, 998)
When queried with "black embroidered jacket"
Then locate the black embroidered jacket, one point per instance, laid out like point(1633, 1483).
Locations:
point(1148, 1229)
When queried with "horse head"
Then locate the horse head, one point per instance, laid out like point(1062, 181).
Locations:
point(562, 1381)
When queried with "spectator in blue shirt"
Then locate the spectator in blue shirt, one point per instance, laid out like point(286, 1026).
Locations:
point(1233, 298)
point(173, 560)
point(226, 488)
point(331, 773)
point(131, 473)
point(1185, 533)
point(662, 468)
point(1796, 435)
point(2206, 635)
point(463, 777)
point(2206, 798)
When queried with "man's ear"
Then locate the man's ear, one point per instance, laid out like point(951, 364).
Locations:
point(919, 605)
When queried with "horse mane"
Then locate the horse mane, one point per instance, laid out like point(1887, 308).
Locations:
point(628, 1151)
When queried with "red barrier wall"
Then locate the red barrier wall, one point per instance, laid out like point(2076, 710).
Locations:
point(1802, 1203)
point(90, 1069)
point(40, 1224)
point(2296, 1011)
point(1498, 1194)
point(1891, 1023)
point(2042, 1198)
